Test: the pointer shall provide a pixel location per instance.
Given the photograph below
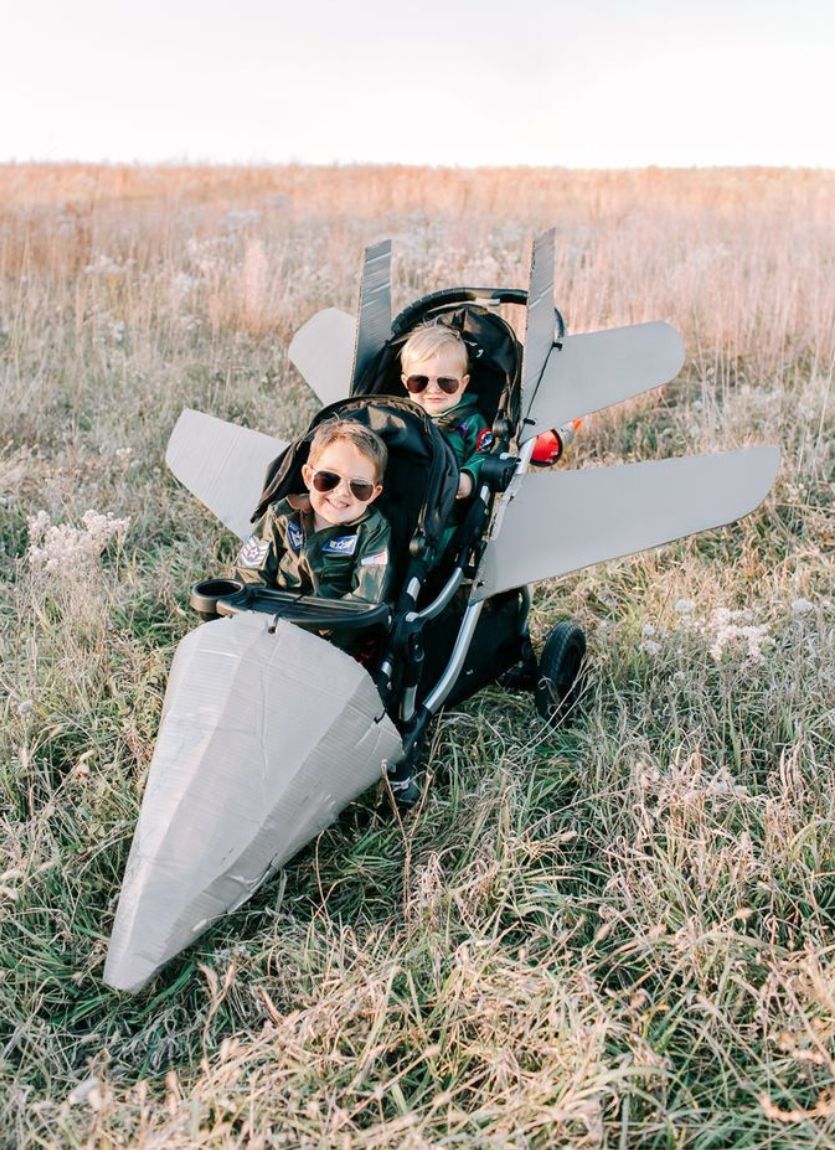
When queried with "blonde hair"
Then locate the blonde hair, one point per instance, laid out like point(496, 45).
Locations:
point(430, 338)
point(363, 438)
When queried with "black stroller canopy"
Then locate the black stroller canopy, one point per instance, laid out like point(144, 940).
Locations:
point(494, 352)
point(421, 477)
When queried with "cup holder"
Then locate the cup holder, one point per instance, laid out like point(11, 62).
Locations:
point(205, 595)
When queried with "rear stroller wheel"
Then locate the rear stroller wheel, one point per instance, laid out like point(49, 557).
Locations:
point(561, 672)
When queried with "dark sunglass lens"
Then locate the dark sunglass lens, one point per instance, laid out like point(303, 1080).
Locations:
point(325, 480)
point(361, 490)
point(416, 383)
point(447, 385)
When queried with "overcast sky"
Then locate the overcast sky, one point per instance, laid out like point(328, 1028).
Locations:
point(586, 83)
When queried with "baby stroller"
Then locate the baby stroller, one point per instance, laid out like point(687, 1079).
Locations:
point(268, 729)
point(435, 644)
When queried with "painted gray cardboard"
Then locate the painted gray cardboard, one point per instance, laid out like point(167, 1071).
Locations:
point(374, 326)
point(222, 464)
point(553, 522)
point(597, 369)
point(265, 737)
point(540, 317)
point(322, 350)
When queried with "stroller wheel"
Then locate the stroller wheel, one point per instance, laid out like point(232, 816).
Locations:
point(561, 672)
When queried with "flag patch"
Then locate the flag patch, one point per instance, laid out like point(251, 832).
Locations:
point(254, 553)
point(378, 560)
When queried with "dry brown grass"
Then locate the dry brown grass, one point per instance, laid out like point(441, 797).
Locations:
point(619, 935)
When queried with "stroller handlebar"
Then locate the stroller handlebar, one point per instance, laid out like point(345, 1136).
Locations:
point(410, 315)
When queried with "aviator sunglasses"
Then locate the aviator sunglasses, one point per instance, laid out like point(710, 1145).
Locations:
point(415, 384)
point(325, 481)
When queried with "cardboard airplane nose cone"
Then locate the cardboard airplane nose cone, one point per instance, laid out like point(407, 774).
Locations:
point(265, 737)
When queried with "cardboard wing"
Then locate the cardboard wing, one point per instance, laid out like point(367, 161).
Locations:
point(222, 464)
point(323, 351)
point(265, 737)
point(550, 523)
point(600, 368)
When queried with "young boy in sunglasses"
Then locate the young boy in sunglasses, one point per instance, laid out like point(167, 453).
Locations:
point(331, 542)
point(434, 363)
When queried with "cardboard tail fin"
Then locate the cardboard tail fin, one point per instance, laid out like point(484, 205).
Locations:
point(539, 317)
point(322, 350)
point(374, 325)
point(550, 523)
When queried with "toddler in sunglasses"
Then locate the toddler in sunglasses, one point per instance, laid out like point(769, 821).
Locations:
point(434, 362)
point(331, 542)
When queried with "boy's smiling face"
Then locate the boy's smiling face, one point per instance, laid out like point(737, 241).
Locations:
point(340, 505)
point(446, 363)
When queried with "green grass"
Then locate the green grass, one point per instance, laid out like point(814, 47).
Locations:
point(619, 934)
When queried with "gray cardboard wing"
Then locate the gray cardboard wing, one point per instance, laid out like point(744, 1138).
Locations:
point(539, 317)
point(374, 326)
point(222, 464)
point(323, 351)
point(265, 737)
point(596, 369)
point(550, 523)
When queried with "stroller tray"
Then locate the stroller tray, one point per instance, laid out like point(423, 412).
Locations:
point(213, 597)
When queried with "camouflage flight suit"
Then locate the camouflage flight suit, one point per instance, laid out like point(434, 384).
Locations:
point(468, 434)
point(345, 561)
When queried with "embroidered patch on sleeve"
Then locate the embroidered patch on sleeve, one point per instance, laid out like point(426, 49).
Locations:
point(295, 536)
point(485, 440)
point(378, 560)
point(341, 545)
point(254, 553)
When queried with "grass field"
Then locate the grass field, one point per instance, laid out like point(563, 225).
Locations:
point(618, 935)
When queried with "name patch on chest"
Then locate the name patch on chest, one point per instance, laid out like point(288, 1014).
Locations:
point(254, 553)
point(340, 545)
point(295, 536)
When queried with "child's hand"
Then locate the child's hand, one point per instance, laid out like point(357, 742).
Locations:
point(465, 486)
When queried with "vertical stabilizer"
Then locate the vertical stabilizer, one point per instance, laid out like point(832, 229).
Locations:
point(539, 317)
point(374, 325)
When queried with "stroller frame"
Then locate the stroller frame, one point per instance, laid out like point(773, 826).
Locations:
point(411, 702)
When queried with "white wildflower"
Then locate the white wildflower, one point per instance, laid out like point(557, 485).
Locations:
point(38, 526)
point(650, 647)
point(183, 284)
point(801, 607)
point(72, 551)
point(648, 629)
point(755, 638)
point(105, 266)
point(685, 606)
point(87, 1091)
point(25, 706)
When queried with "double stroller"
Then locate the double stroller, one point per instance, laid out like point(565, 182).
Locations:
point(435, 643)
